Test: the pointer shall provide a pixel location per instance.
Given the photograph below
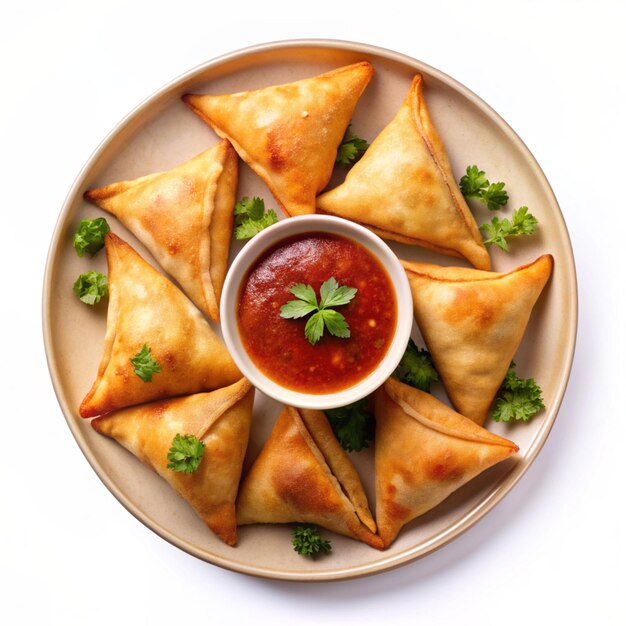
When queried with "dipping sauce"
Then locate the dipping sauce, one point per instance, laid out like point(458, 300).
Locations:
point(278, 346)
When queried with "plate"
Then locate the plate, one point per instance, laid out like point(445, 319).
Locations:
point(162, 133)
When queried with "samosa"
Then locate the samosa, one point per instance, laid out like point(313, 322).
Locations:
point(424, 451)
point(473, 322)
point(184, 216)
point(403, 188)
point(219, 420)
point(174, 349)
point(302, 474)
point(289, 134)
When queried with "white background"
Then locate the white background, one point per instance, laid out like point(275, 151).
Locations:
point(553, 549)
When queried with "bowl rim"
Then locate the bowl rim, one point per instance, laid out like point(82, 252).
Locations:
point(272, 236)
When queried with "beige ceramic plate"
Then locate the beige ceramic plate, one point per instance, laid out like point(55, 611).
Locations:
point(161, 133)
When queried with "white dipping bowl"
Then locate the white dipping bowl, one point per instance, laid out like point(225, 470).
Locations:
point(273, 235)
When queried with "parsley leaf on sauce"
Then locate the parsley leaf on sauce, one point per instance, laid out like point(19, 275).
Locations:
point(331, 295)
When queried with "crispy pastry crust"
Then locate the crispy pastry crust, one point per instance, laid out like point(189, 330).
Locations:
point(145, 307)
point(403, 188)
point(220, 419)
point(185, 218)
point(289, 134)
point(423, 452)
point(473, 322)
point(301, 476)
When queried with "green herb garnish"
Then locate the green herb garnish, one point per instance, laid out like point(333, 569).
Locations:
point(416, 368)
point(475, 185)
point(89, 237)
point(91, 287)
point(251, 217)
point(185, 454)
point(351, 149)
point(353, 425)
point(331, 295)
point(144, 365)
point(518, 398)
point(308, 542)
point(523, 223)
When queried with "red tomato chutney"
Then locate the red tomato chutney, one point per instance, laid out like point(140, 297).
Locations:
point(278, 346)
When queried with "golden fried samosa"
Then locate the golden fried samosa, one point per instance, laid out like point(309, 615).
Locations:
point(423, 452)
point(145, 308)
point(403, 188)
point(302, 474)
point(184, 216)
point(473, 322)
point(220, 420)
point(289, 134)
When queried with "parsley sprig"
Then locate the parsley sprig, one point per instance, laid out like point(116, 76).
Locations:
point(307, 541)
point(185, 454)
point(416, 368)
point(89, 236)
point(518, 398)
point(331, 295)
point(497, 231)
point(144, 365)
point(353, 425)
point(251, 217)
point(351, 149)
point(474, 184)
point(91, 287)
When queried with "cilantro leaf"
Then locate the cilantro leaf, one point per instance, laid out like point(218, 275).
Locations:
point(331, 295)
point(474, 184)
point(336, 323)
point(307, 541)
point(416, 368)
point(518, 399)
point(351, 149)
point(495, 196)
point(252, 208)
point(185, 454)
point(89, 236)
point(295, 309)
point(91, 287)
point(314, 328)
point(353, 425)
point(144, 365)
point(498, 230)
point(305, 292)
point(251, 217)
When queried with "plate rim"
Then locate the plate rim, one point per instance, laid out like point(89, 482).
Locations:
point(499, 490)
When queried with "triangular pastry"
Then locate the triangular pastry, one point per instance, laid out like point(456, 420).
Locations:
point(289, 134)
point(147, 308)
point(473, 322)
point(184, 216)
point(423, 452)
point(403, 188)
point(303, 475)
point(220, 419)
